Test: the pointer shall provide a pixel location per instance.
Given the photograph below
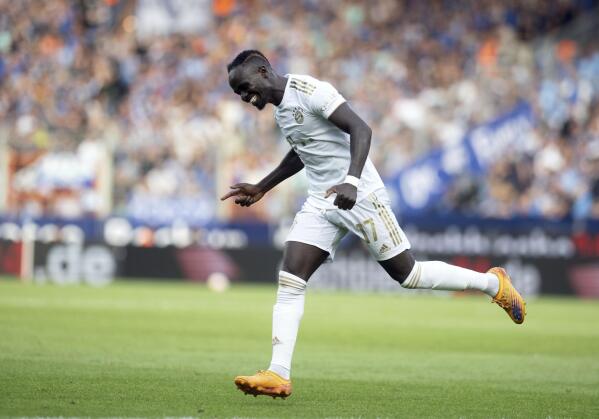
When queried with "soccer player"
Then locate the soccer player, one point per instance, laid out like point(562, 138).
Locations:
point(345, 193)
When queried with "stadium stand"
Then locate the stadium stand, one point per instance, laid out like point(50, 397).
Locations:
point(146, 126)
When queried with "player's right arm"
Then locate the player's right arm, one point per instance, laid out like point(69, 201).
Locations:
point(247, 194)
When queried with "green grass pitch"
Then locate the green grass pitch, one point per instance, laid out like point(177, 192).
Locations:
point(172, 349)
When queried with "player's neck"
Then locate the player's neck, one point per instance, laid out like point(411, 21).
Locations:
point(279, 90)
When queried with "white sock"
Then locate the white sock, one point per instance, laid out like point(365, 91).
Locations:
point(443, 276)
point(286, 317)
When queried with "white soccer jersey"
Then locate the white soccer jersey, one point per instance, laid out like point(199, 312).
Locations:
point(302, 116)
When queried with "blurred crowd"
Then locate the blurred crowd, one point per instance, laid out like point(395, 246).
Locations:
point(91, 90)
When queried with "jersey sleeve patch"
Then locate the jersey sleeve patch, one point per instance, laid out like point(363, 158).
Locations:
point(325, 100)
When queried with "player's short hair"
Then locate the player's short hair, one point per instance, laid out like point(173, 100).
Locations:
point(243, 56)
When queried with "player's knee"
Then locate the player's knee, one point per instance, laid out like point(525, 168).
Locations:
point(400, 267)
point(296, 270)
point(301, 259)
point(301, 268)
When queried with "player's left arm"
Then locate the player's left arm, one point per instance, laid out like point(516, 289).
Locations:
point(360, 134)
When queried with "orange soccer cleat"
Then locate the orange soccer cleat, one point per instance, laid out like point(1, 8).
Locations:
point(508, 297)
point(265, 383)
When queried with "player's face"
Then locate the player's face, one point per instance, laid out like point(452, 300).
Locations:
point(251, 83)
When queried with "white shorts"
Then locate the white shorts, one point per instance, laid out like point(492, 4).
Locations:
point(371, 219)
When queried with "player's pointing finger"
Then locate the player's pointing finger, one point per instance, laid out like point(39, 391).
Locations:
point(330, 192)
point(230, 194)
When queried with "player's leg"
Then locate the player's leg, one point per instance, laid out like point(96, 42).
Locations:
point(300, 260)
point(373, 220)
point(437, 275)
point(310, 242)
point(443, 276)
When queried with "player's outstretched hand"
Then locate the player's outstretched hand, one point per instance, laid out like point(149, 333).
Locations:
point(245, 194)
point(346, 195)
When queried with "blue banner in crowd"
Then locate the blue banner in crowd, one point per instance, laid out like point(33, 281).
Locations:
point(422, 183)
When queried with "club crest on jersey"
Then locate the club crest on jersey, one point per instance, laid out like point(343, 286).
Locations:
point(298, 115)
